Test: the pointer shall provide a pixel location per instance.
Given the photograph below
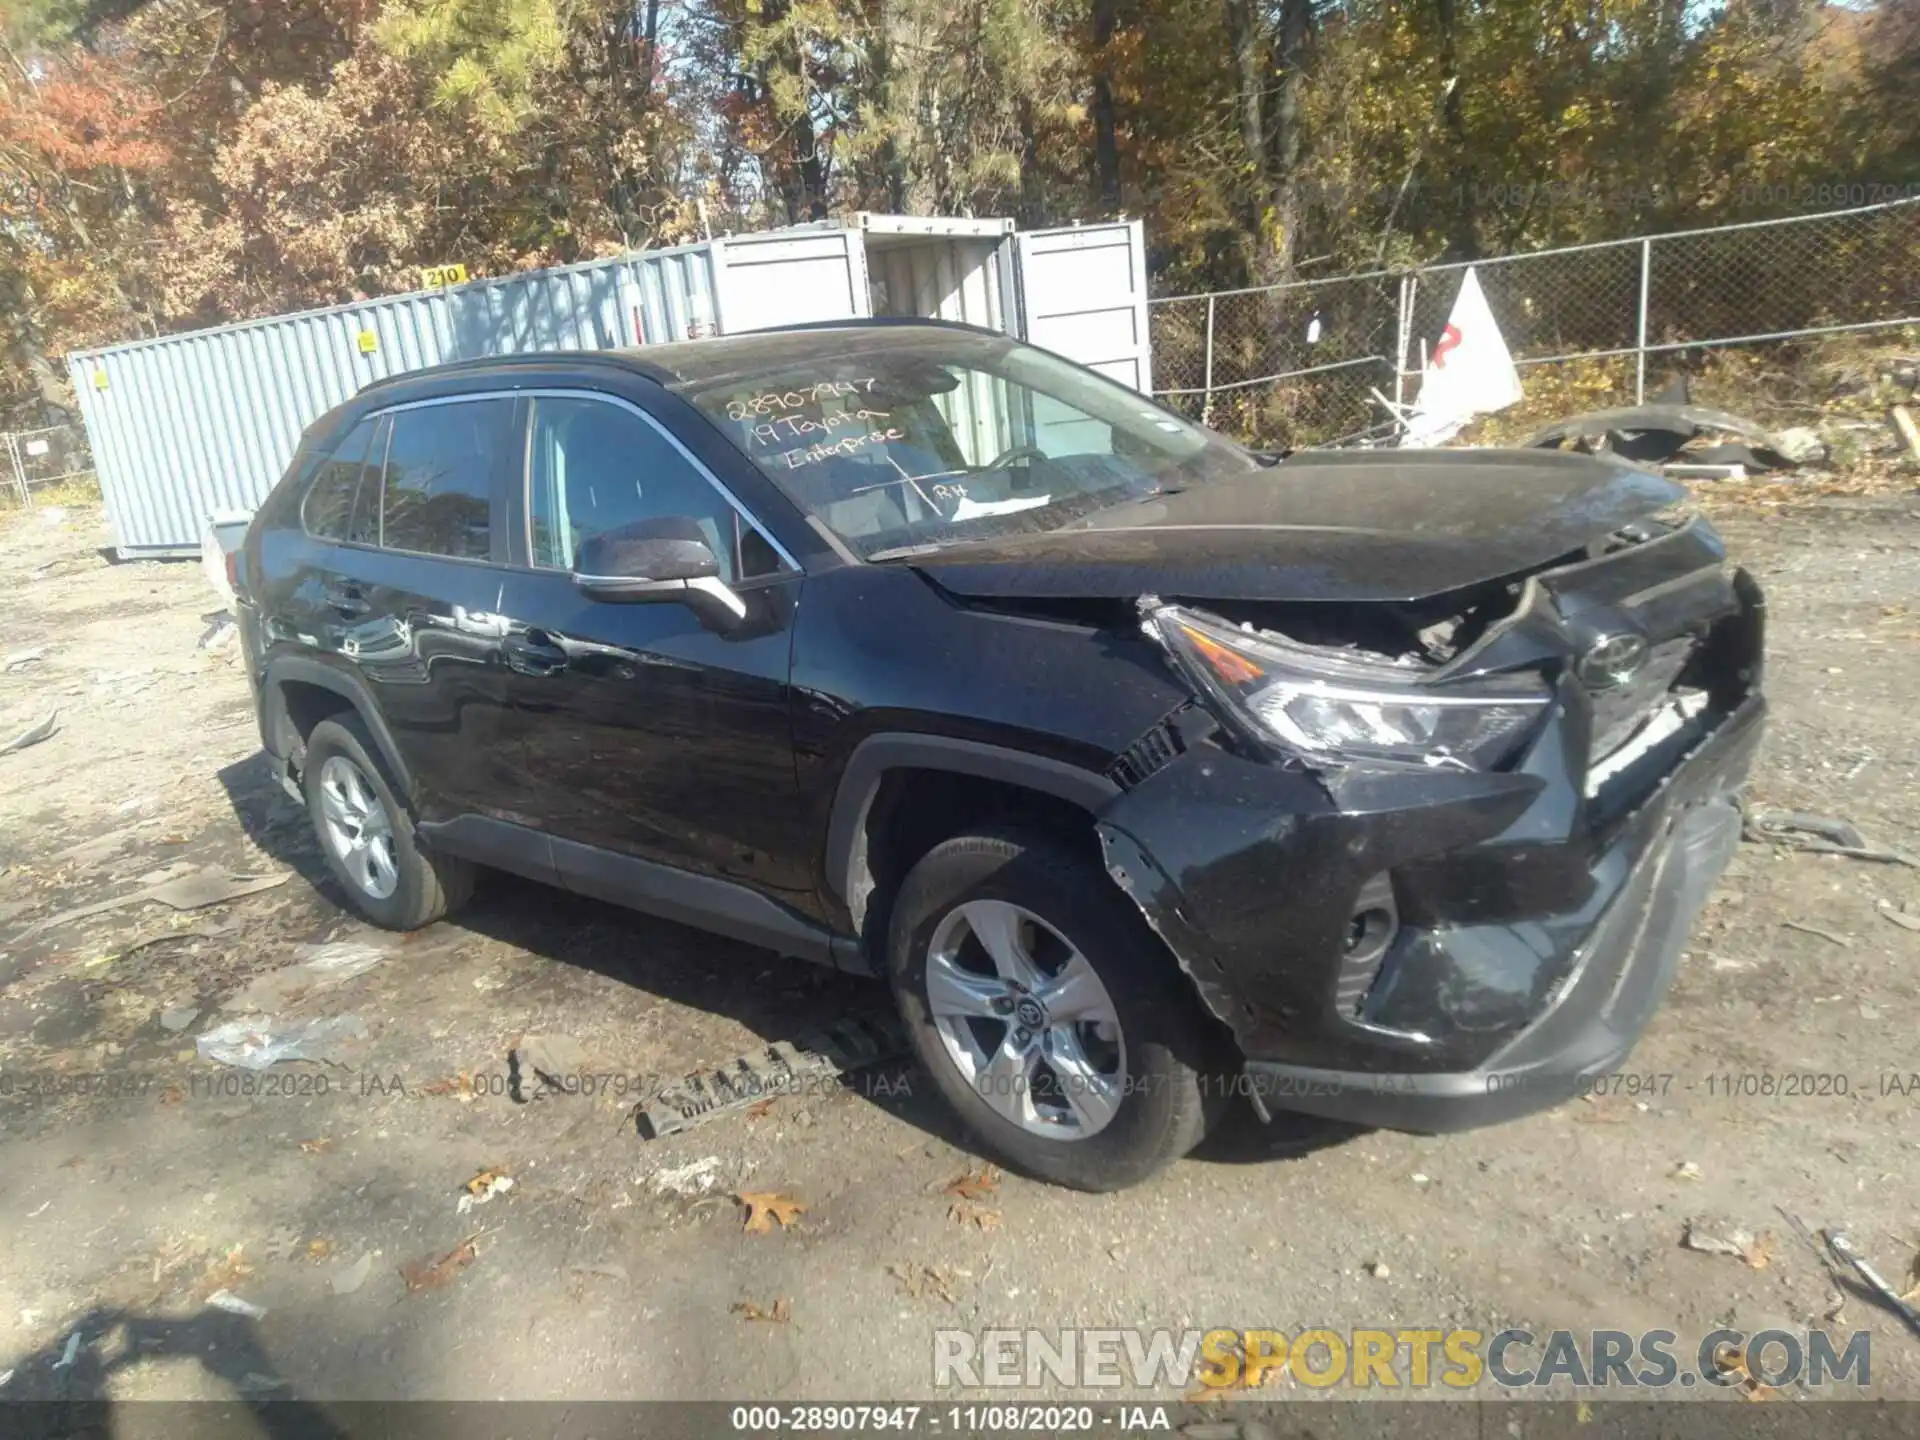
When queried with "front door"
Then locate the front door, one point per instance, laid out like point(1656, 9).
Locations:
point(644, 728)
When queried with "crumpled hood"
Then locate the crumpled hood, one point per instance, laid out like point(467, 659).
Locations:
point(1353, 525)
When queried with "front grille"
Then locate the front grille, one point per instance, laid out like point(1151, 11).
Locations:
point(1620, 710)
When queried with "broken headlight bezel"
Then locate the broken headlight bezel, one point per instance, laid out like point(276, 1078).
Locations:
point(1316, 703)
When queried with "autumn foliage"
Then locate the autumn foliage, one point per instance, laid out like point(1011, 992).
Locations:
point(178, 163)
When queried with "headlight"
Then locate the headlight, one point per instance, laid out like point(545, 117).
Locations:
point(1314, 701)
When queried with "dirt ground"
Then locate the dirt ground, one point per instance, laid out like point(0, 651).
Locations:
point(138, 1180)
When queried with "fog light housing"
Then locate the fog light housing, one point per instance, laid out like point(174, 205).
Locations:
point(1370, 931)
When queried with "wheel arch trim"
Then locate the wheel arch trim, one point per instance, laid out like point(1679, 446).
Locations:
point(305, 670)
point(874, 756)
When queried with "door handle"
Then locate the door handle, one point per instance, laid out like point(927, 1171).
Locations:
point(347, 600)
point(534, 653)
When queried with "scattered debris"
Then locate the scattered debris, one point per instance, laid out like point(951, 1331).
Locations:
point(432, 1274)
point(609, 1269)
point(980, 1217)
point(1658, 434)
point(345, 1279)
point(760, 1109)
point(918, 1280)
point(328, 965)
point(219, 634)
point(1818, 834)
point(1898, 917)
point(1802, 445)
point(766, 1206)
point(850, 1043)
point(1754, 1252)
point(178, 1018)
point(213, 886)
point(193, 891)
point(1837, 1242)
point(1909, 432)
point(482, 1188)
point(316, 1147)
point(779, 1313)
point(460, 1087)
point(1827, 935)
point(33, 735)
point(231, 1303)
point(20, 659)
point(1686, 1170)
point(1378, 1269)
point(1731, 1361)
point(971, 1184)
point(70, 1354)
point(696, 1178)
point(255, 1043)
point(557, 1061)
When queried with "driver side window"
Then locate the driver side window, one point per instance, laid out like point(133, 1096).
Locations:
point(597, 466)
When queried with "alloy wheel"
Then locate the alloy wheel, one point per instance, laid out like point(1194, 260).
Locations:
point(357, 827)
point(1026, 1020)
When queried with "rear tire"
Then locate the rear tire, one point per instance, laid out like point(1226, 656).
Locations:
point(1119, 1062)
point(367, 835)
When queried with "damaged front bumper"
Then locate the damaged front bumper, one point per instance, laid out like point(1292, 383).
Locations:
point(1431, 950)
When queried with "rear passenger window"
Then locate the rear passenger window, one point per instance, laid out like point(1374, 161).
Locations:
point(439, 477)
point(328, 510)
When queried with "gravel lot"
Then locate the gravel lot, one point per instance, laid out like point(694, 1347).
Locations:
point(137, 1180)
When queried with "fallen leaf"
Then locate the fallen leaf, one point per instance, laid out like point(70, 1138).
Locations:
point(779, 1314)
point(1759, 1254)
point(975, 1185)
point(760, 1108)
point(432, 1274)
point(484, 1182)
point(319, 1249)
point(460, 1087)
point(965, 1212)
point(1912, 1292)
point(766, 1206)
point(316, 1147)
point(917, 1280)
point(172, 1095)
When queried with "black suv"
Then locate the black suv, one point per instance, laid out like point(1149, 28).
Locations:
point(1150, 771)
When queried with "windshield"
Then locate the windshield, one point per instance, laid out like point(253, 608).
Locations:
point(907, 439)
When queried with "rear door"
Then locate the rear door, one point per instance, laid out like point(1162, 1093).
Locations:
point(645, 729)
point(416, 598)
point(1083, 294)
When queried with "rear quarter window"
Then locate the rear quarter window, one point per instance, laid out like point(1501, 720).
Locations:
point(327, 511)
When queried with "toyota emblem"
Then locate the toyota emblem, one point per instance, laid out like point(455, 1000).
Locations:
point(1612, 660)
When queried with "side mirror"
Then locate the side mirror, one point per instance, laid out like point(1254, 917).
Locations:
point(657, 560)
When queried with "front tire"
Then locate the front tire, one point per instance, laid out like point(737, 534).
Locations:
point(1048, 1014)
point(367, 835)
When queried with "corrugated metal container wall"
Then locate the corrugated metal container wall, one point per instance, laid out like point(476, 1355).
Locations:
point(185, 426)
point(189, 425)
point(673, 294)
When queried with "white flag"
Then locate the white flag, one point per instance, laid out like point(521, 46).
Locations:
point(1469, 373)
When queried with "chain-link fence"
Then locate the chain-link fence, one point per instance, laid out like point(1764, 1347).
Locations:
point(1301, 364)
point(30, 459)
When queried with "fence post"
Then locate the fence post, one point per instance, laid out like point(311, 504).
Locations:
point(19, 467)
point(1403, 334)
point(1640, 343)
point(1206, 398)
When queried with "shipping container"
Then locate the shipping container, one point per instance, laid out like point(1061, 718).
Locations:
point(186, 427)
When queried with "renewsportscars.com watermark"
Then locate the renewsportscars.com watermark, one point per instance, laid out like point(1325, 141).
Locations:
point(1396, 1359)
